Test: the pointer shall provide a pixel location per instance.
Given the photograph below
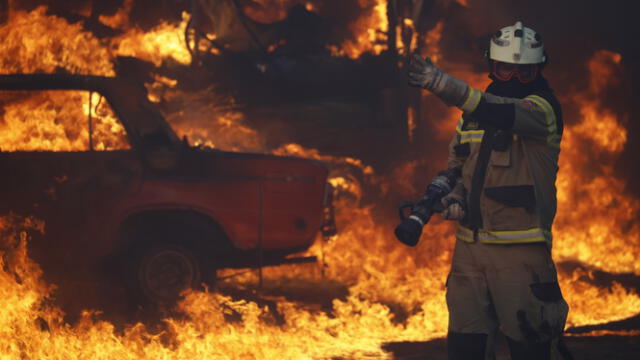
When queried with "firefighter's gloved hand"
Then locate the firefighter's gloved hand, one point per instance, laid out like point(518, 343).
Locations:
point(422, 73)
point(453, 207)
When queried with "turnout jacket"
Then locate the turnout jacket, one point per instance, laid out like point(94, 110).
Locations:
point(506, 150)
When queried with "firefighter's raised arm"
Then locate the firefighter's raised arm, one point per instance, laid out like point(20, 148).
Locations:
point(535, 116)
point(516, 60)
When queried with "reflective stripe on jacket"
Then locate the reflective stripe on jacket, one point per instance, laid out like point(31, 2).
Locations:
point(517, 203)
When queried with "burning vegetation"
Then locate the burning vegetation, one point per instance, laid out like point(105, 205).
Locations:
point(370, 289)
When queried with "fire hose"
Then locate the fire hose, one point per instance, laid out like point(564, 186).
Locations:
point(410, 228)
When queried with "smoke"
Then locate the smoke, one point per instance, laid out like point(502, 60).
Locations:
point(572, 31)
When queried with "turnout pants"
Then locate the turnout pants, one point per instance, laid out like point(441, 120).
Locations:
point(510, 287)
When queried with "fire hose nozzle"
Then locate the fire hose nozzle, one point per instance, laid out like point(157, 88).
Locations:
point(410, 228)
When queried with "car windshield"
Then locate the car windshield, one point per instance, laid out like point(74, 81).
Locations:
point(59, 120)
point(60, 112)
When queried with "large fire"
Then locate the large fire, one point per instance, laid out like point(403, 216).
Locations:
point(394, 293)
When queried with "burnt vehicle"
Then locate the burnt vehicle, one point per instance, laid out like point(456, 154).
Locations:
point(147, 206)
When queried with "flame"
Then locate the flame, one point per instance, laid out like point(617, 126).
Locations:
point(409, 26)
point(593, 305)
point(599, 124)
point(207, 119)
point(165, 41)
point(596, 221)
point(593, 333)
point(368, 31)
point(34, 42)
point(31, 122)
point(394, 293)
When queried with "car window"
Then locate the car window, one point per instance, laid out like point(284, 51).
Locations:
point(59, 120)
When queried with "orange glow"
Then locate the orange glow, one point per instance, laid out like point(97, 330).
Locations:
point(606, 332)
point(592, 305)
point(31, 122)
point(310, 6)
point(120, 19)
point(413, 42)
point(210, 120)
point(395, 293)
point(596, 219)
point(431, 46)
point(162, 42)
point(599, 124)
point(34, 42)
point(411, 123)
point(368, 31)
point(269, 11)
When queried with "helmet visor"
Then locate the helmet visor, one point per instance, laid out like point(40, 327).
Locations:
point(524, 72)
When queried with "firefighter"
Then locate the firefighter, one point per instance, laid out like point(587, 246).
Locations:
point(506, 146)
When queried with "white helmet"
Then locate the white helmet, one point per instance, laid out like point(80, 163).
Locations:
point(517, 45)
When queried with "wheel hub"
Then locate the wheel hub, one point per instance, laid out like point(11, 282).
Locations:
point(166, 273)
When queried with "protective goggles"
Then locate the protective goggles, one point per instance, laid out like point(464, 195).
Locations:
point(526, 73)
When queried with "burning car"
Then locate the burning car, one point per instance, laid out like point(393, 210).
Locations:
point(131, 198)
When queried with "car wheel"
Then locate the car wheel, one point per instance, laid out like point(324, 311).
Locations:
point(163, 272)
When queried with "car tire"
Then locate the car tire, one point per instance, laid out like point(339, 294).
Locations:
point(160, 273)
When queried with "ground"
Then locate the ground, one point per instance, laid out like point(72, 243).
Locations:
point(318, 295)
point(607, 347)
